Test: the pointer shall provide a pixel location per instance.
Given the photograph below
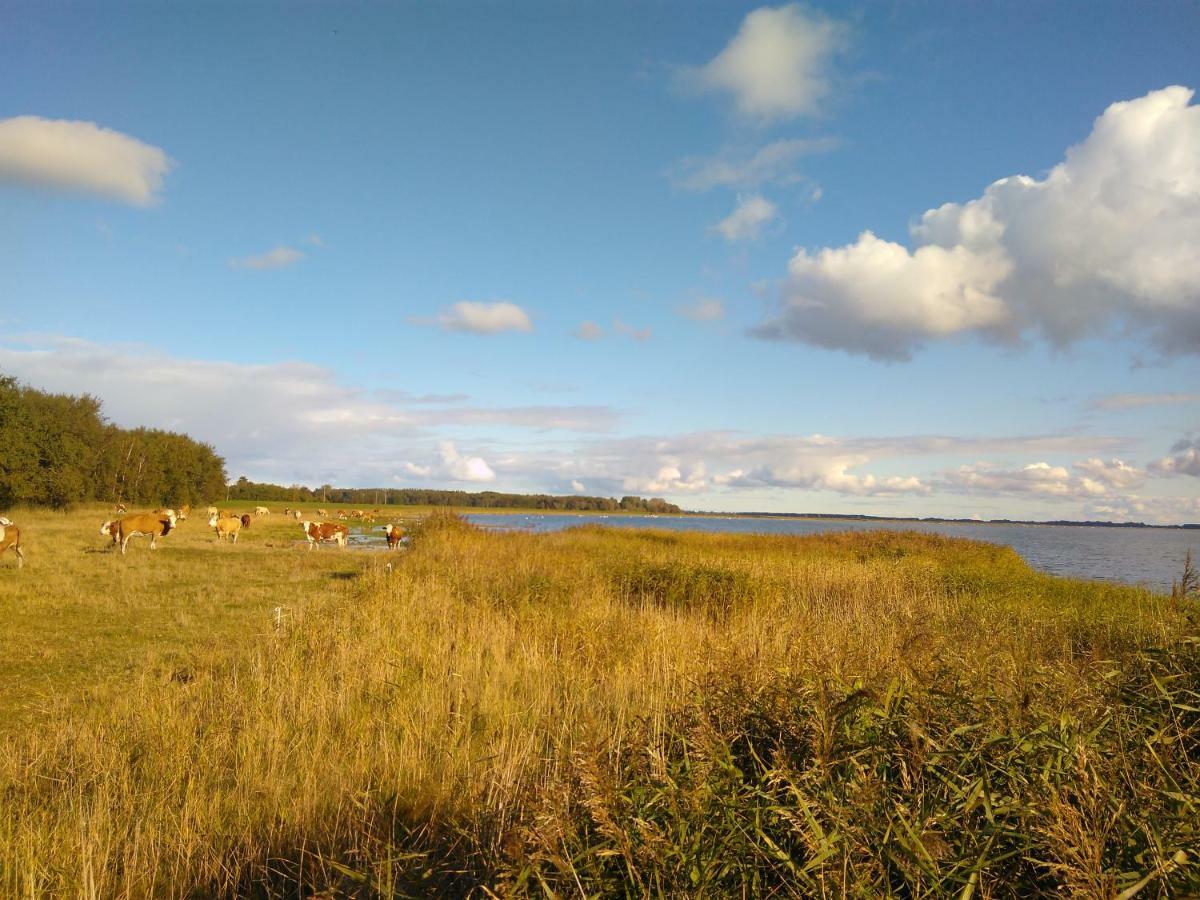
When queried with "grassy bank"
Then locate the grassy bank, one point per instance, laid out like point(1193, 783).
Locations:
point(591, 712)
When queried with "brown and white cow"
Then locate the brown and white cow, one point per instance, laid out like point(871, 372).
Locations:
point(10, 536)
point(226, 527)
point(144, 524)
point(325, 531)
point(394, 535)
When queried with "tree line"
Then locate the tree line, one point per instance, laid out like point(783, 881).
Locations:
point(58, 449)
point(244, 489)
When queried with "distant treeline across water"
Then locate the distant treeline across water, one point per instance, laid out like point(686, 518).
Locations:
point(244, 489)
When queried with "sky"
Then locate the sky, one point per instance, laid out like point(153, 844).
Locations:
point(886, 258)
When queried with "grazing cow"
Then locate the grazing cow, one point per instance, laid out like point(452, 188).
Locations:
point(152, 524)
point(10, 536)
point(322, 512)
point(297, 515)
point(121, 509)
point(226, 527)
point(325, 531)
point(341, 514)
point(184, 512)
point(261, 511)
point(212, 511)
point(394, 534)
point(246, 520)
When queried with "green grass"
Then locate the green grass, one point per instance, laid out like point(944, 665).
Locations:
point(591, 712)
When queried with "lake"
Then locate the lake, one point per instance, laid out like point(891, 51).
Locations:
point(1148, 556)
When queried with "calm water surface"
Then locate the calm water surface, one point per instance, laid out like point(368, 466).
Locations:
point(1149, 556)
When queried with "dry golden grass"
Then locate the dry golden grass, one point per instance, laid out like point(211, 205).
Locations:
point(589, 712)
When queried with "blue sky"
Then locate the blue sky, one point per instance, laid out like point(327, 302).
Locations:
point(661, 249)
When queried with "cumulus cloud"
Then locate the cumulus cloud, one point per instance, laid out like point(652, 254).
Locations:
point(746, 222)
point(457, 467)
point(588, 331)
point(1184, 460)
point(83, 157)
point(703, 310)
point(1092, 478)
point(474, 317)
point(277, 258)
point(1106, 240)
point(721, 461)
point(777, 66)
point(774, 163)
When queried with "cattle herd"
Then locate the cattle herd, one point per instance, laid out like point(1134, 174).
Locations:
point(226, 524)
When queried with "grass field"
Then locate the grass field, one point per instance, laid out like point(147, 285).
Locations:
point(587, 713)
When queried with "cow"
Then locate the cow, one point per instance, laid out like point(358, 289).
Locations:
point(10, 536)
point(212, 511)
point(226, 527)
point(323, 513)
point(261, 511)
point(121, 509)
point(341, 514)
point(316, 532)
point(246, 520)
point(184, 512)
point(297, 515)
point(394, 535)
point(225, 514)
point(151, 524)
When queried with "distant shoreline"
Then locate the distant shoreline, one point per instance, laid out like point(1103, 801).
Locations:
point(817, 517)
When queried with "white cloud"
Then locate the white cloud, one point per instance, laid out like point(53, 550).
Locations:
point(277, 258)
point(81, 157)
point(1115, 473)
point(485, 318)
point(703, 310)
point(746, 222)
point(1185, 461)
point(1106, 240)
point(463, 468)
point(774, 163)
point(588, 331)
point(777, 65)
point(1092, 478)
point(1137, 401)
point(577, 486)
point(669, 479)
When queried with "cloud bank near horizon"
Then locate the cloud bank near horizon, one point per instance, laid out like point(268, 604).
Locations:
point(292, 422)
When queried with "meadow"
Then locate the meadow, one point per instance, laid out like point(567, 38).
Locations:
point(587, 713)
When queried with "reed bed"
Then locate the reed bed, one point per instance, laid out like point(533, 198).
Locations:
point(633, 713)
